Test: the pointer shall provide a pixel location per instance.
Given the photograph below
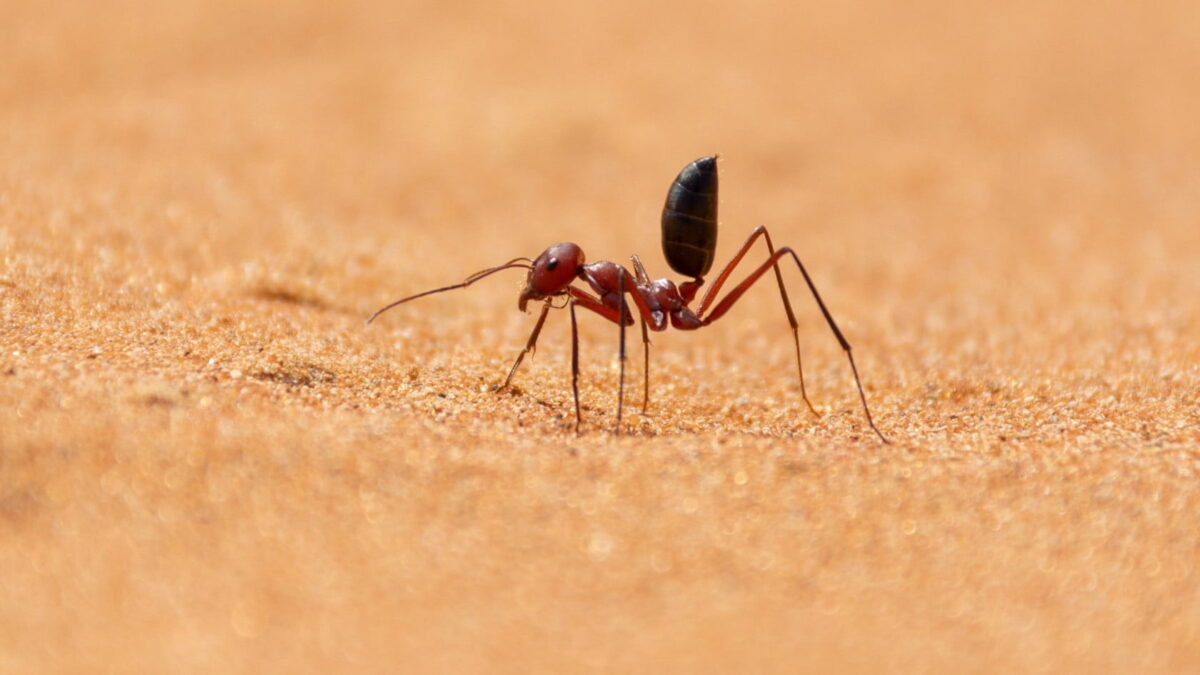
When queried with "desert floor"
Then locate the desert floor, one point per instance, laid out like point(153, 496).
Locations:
point(209, 463)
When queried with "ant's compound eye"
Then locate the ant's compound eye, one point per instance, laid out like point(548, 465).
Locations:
point(552, 264)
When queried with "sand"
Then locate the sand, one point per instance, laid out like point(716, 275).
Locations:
point(209, 463)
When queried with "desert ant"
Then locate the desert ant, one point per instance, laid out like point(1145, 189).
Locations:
point(689, 240)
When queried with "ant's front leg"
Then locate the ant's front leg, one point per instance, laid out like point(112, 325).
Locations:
point(530, 346)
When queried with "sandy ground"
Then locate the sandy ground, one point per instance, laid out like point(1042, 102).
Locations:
point(208, 463)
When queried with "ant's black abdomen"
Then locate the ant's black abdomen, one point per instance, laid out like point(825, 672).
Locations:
point(689, 219)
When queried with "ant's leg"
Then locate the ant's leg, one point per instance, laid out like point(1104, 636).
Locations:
point(711, 295)
point(621, 352)
point(583, 299)
point(530, 346)
point(741, 288)
point(575, 364)
point(644, 279)
point(645, 367)
point(596, 305)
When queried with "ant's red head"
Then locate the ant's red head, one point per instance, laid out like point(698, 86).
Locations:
point(552, 272)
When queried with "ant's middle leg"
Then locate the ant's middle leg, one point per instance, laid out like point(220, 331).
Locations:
point(530, 346)
point(621, 351)
point(711, 294)
point(643, 279)
point(574, 363)
point(618, 316)
point(645, 366)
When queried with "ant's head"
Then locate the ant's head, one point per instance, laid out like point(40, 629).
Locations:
point(552, 272)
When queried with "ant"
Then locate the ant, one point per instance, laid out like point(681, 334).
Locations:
point(689, 241)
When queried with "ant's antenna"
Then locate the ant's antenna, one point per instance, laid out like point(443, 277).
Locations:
point(515, 262)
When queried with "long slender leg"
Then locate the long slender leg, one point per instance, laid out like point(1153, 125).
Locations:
point(639, 271)
point(596, 305)
point(711, 295)
point(530, 346)
point(575, 365)
point(645, 366)
point(621, 330)
point(728, 301)
point(583, 299)
point(715, 288)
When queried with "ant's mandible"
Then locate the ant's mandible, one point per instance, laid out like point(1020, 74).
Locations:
point(689, 240)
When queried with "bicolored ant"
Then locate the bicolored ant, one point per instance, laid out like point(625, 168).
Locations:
point(689, 236)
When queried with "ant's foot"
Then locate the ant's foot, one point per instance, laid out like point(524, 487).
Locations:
point(811, 408)
point(506, 387)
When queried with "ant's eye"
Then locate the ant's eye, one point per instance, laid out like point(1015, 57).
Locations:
point(552, 264)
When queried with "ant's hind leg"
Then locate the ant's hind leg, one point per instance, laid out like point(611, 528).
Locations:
point(800, 367)
point(530, 346)
point(733, 296)
point(711, 294)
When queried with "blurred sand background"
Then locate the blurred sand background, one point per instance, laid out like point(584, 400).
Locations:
point(209, 464)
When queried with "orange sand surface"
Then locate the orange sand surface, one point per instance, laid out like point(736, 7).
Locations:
point(209, 463)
